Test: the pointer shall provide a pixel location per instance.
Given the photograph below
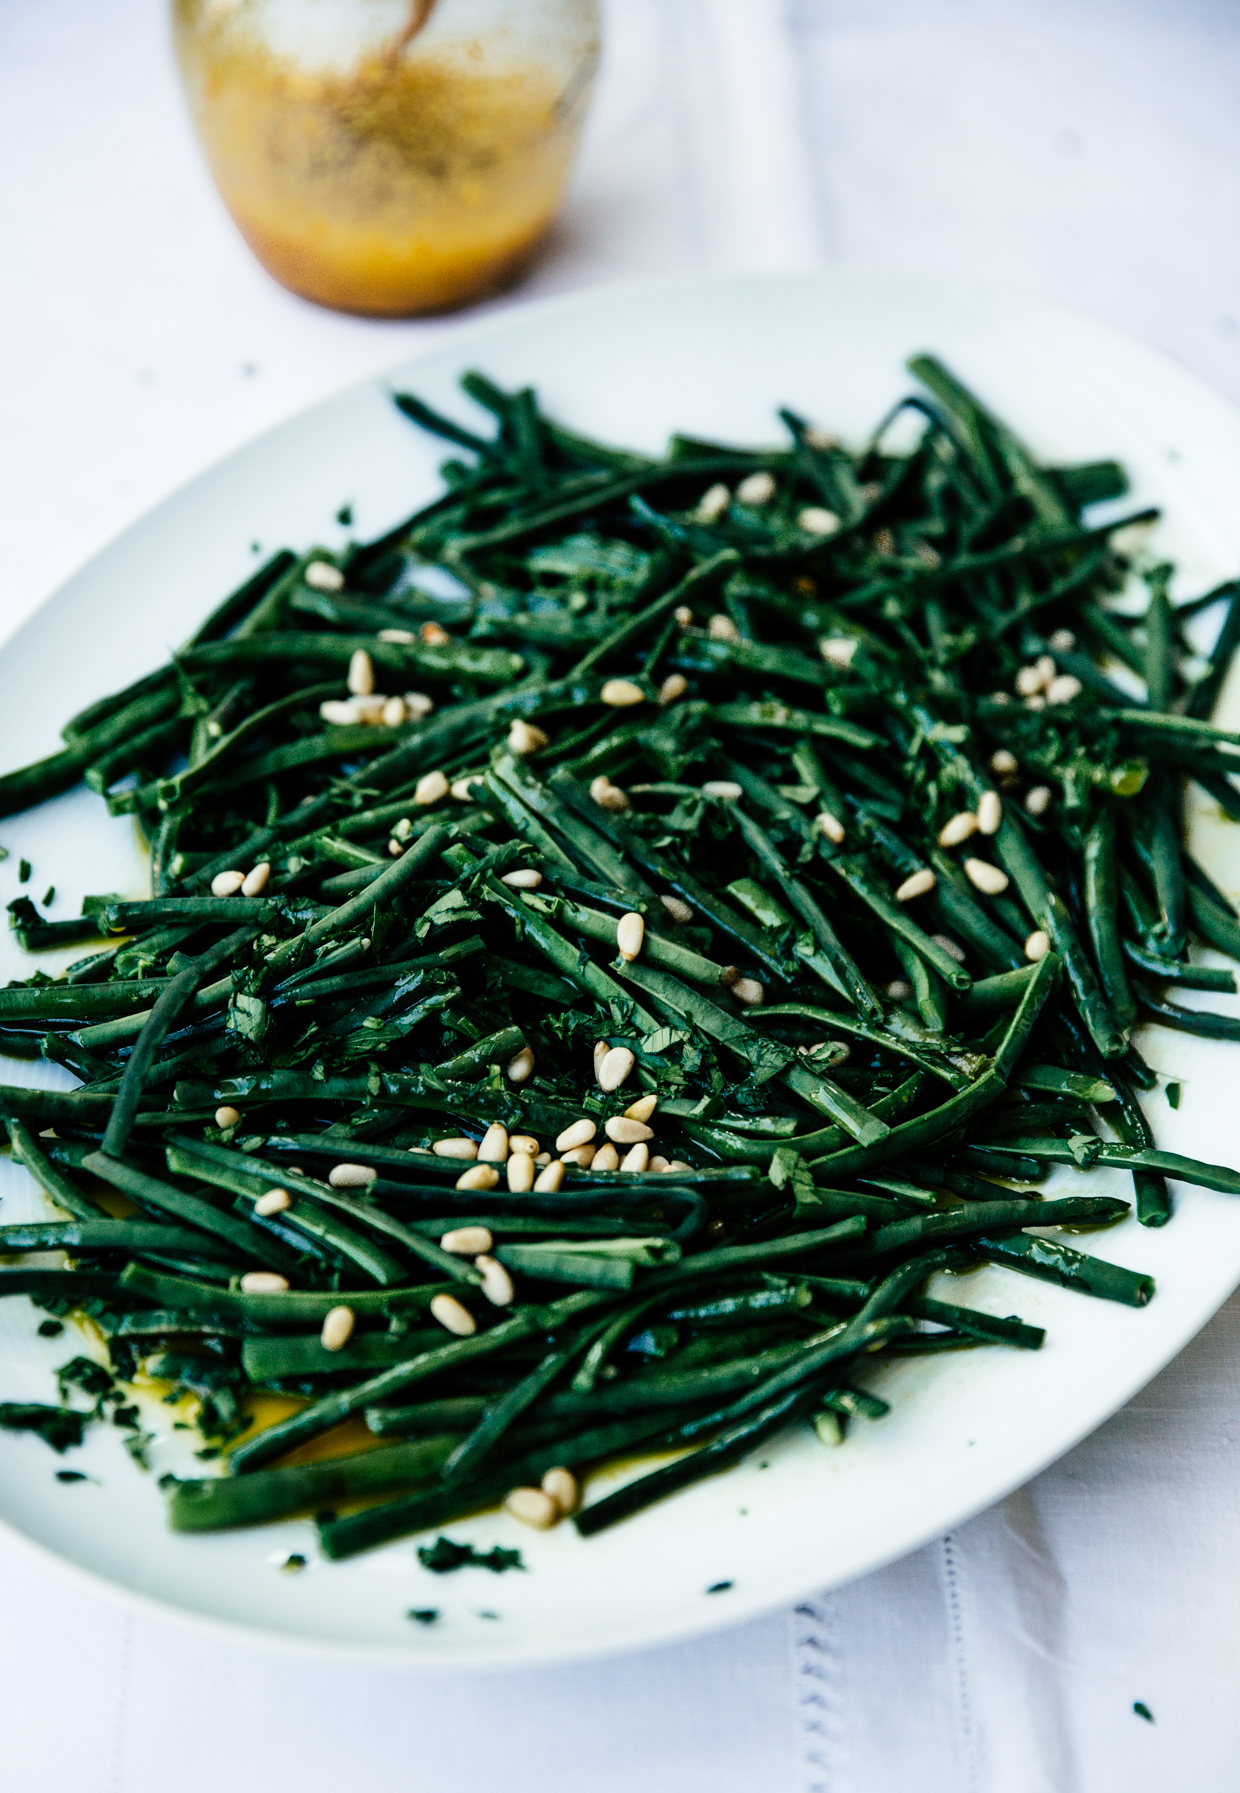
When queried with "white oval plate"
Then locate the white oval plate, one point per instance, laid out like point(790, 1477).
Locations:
point(713, 358)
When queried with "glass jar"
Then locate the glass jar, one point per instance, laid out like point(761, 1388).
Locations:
point(389, 156)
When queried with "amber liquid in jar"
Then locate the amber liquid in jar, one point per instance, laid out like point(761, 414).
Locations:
point(416, 175)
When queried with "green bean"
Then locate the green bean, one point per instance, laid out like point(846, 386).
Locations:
point(248, 1241)
point(1101, 902)
point(47, 1175)
point(1052, 1261)
point(221, 1502)
point(293, 1356)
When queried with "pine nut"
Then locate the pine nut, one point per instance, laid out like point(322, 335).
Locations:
point(263, 1282)
point(543, 1160)
point(636, 1158)
point(827, 824)
point(227, 1117)
point(950, 947)
point(478, 1176)
point(461, 788)
point(321, 575)
point(524, 1143)
point(1003, 763)
point(523, 737)
point(723, 788)
point(757, 488)
point(453, 1316)
point(1046, 667)
point(673, 687)
point(601, 1049)
point(454, 1148)
point(494, 1148)
point(815, 520)
point(1036, 702)
point(339, 713)
point(816, 438)
point(606, 1158)
point(361, 673)
point(434, 635)
point(520, 1168)
point(914, 886)
point(338, 1324)
point(255, 882)
point(679, 912)
point(642, 1109)
point(1038, 800)
point(678, 1165)
point(989, 812)
point(467, 1241)
point(524, 879)
point(622, 693)
point(550, 1178)
point(630, 932)
point(615, 1067)
point(393, 712)
point(398, 637)
point(275, 1201)
point(430, 788)
point(496, 1284)
point(624, 1132)
point(899, 990)
point(722, 628)
point(226, 884)
point(712, 504)
point(838, 650)
point(958, 828)
point(657, 1164)
point(532, 1506)
point(730, 976)
point(985, 877)
point(369, 708)
point(610, 796)
point(1029, 681)
point(749, 991)
point(395, 849)
point(351, 1176)
point(580, 1133)
point(1062, 641)
point(1063, 690)
point(403, 829)
point(562, 1486)
point(1038, 944)
point(418, 704)
point(683, 615)
point(581, 1156)
point(521, 1068)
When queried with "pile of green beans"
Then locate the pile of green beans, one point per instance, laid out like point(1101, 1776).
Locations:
point(770, 813)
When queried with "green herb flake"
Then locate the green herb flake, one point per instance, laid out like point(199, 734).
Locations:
point(445, 1555)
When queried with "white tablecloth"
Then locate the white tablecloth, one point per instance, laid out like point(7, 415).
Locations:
point(1087, 151)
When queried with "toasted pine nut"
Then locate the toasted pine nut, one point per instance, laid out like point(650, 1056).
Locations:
point(418, 704)
point(275, 1201)
point(615, 1067)
point(815, 520)
point(712, 504)
point(630, 932)
point(454, 1148)
point(496, 1283)
point(467, 1241)
point(916, 885)
point(580, 1133)
point(226, 884)
point(1038, 800)
point(673, 688)
point(533, 1506)
point(642, 1109)
point(1003, 763)
point(398, 637)
point(225, 1116)
point(1038, 944)
point(453, 1315)
point(730, 976)
point(520, 1168)
point(621, 694)
point(989, 812)
point(683, 615)
point(434, 635)
point(1036, 702)
point(657, 1164)
point(1029, 681)
point(524, 1143)
point(338, 1324)
point(958, 828)
point(368, 707)
point(321, 575)
point(636, 1158)
point(393, 712)
point(562, 1486)
point(829, 825)
point(606, 1158)
point(581, 1156)
point(838, 650)
point(523, 737)
point(1063, 689)
point(677, 1165)
point(985, 877)
point(749, 991)
point(351, 1176)
point(521, 1068)
point(526, 878)
point(395, 849)
point(1062, 641)
point(756, 488)
point(461, 788)
point(478, 1176)
point(263, 1282)
point(255, 882)
point(430, 788)
point(601, 1049)
point(340, 713)
point(494, 1148)
point(361, 673)
point(679, 912)
point(723, 788)
point(624, 1132)
point(722, 628)
point(550, 1178)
